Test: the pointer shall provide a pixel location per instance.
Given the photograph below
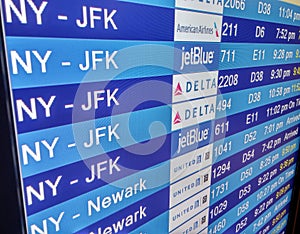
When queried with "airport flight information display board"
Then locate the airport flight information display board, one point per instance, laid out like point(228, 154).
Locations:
point(149, 116)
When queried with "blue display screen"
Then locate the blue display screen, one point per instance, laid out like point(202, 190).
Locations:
point(148, 116)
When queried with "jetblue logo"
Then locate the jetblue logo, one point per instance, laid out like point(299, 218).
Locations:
point(192, 137)
point(196, 56)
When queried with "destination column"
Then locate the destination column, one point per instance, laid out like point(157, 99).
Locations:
point(94, 136)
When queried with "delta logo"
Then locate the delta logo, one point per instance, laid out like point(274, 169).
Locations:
point(207, 2)
point(195, 86)
point(186, 114)
point(195, 112)
point(213, 2)
point(178, 90)
point(177, 119)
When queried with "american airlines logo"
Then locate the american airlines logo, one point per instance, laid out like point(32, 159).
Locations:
point(216, 28)
point(196, 27)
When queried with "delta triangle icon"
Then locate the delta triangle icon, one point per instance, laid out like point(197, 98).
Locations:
point(178, 90)
point(177, 118)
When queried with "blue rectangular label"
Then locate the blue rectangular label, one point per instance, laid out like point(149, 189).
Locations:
point(92, 19)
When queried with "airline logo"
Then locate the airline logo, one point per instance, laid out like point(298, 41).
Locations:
point(195, 26)
point(195, 224)
point(216, 28)
point(190, 162)
point(188, 208)
point(194, 112)
point(177, 119)
point(194, 85)
point(214, 6)
point(189, 186)
point(178, 90)
point(195, 57)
